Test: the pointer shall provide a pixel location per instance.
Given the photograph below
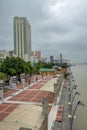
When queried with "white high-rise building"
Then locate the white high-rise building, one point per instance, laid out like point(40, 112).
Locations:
point(22, 38)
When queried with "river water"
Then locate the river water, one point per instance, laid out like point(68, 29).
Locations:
point(80, 76)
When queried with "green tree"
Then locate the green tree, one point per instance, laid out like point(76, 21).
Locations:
point(28, 68)
point(12, 71)
point(16, 66)
point(3, 76)
point(12, 65)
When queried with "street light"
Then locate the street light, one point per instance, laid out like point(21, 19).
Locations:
point(76, 93)
point(75, 86)
point(78, 103)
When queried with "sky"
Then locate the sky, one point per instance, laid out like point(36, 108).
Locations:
point(57, 26)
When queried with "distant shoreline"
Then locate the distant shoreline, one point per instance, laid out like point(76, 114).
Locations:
point(79, 64)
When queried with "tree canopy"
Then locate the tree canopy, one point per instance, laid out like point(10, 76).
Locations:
point(16, 66)
point(13, 66)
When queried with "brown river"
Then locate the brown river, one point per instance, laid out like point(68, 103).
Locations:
point(80, 76)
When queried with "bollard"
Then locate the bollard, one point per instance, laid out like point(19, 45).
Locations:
point(1, 93)
point(12, 82)
point(22, 77)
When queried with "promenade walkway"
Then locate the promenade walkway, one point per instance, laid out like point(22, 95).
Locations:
point(44, 91)
point(62, 99)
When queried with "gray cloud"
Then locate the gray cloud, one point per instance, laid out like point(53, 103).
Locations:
point(58, 26)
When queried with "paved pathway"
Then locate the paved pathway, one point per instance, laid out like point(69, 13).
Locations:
point(65, 124)
point(53, 112)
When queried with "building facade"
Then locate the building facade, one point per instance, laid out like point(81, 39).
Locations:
point(36, 54)
point(35, 57)
point(22, 38)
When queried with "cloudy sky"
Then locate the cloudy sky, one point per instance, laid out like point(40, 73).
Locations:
point(58, 26)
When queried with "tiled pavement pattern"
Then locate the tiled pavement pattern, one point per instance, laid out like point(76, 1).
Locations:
point(6, 109)
point(32, 94)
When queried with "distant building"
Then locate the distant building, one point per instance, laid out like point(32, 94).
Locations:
point(35, 57)
point(57, 61)
point(51, 59)
point(11, 53)
point(36, 54)
point(46, 59)
point(22, 38)
point(3, 54)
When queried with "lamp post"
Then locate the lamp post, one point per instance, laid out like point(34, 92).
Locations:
point(78, 103)
point(76, 93)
